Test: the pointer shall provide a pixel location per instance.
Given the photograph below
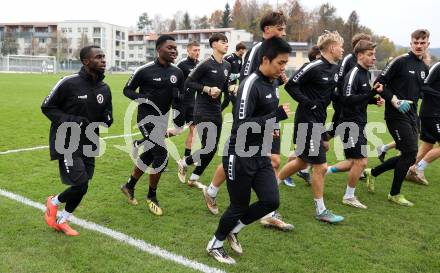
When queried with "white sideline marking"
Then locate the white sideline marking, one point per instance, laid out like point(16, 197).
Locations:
point(140, 244)
point(46, 147)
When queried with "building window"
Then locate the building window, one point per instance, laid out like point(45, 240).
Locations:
point(85, 30)
point(140, 56)
point(293, 54)
point(131, 56)
point(79, 29)
point(130, 47)
point(70, 30)
point(96, 30)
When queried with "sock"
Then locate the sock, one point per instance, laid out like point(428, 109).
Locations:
point(215, 243)
point(319, 204)
point(349, 192)
point(151, 192)
point(212, 190)
point(238, 227)
point(331, 169)
point(131, 183)
point(187, 152)
point(194, 177)
point(422, 165)
point(384, 148)
point(65, 216)
point(55, 201)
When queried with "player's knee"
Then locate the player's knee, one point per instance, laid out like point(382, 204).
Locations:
point(272, 204)
point(409, 157)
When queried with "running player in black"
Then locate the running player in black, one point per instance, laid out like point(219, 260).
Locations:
point(76, 106)
point(356, 95)
point(313, 54)
point(247, 163)
point(402, 79)
point(209, 79)
point(187, 65)
point(160, 85)
point(346, 65)
point(273, 24)
point(430, 127)
point(235, 59)
point(313, 88)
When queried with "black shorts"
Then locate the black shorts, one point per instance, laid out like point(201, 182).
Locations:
point(430, 130)
point(154, 152)
point(78, 172)
point(276, 146)
point(309, 147)
point(189, 113)
point(355, 147)
point(405, 134)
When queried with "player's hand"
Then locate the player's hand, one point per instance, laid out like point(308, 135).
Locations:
point(284, 77)
point(378, 87)
point(402, 105)
point(380, 101)
point(276, 133)
point(286, 109)
point(214, 92)
point(82, 121)
point(233, 89)
point(325, 145)
point(233, 76)
point(173, 132)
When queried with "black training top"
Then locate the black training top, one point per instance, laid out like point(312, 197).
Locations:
point(187, 65)
point(431, 93)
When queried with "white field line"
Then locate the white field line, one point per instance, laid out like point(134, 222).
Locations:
point(140, 244)
point(46, 147)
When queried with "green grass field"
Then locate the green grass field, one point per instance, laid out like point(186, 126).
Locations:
point(383, 238)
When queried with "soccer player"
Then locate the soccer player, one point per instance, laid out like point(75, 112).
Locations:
point(160, 85)
point(235, 59)
point(257, 107)
point(430, 127)
point(209, 79)
point(187, 65)
point(313, 88)
point(75, 106)
point(348, 63)
point(273, 24)
point(402, 80)
point(313, 54)
point(356, 95)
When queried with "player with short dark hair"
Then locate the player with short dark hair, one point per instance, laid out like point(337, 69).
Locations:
point(76, 106)
point(257, 105)
point(209, 78)
point(402, 79)
point(160, 85)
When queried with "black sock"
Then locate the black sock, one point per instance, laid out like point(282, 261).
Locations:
point(187, 152)
point(131, 182)
point(151, 193)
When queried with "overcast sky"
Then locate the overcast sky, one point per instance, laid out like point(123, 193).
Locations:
point(394, 19)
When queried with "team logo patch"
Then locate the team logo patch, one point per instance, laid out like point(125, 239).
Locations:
point(173, 79)
point(239, 61)
point(336, 77)
point(422, 74)
point(100, 98)
point(226, 72)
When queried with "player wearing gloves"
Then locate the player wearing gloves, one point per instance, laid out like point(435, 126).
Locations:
point(402, 79)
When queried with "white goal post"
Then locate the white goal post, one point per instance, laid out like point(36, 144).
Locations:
point(29, 63)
